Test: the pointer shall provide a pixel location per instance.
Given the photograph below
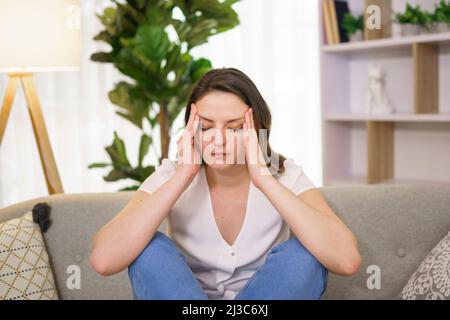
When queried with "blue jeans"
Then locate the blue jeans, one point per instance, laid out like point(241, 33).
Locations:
point(290, 272)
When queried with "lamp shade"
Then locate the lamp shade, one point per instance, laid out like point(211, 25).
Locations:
point(39, 35)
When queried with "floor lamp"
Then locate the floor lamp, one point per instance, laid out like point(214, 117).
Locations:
point(37, 36)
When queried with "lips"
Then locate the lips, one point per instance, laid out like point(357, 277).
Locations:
point(218, 154)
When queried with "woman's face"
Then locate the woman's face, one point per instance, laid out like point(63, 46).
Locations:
point(221, 121)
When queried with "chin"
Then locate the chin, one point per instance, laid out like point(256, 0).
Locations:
point(219, 163)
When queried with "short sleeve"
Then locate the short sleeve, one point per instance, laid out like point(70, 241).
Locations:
point(162, 173)
point(294, 178)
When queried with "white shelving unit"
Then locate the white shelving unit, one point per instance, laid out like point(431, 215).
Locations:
point(388, 44)
point(410, 146)
point(397, 117)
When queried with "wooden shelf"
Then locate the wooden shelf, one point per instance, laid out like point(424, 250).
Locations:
point(387, 44)
point(405, 117)
point(359, 180)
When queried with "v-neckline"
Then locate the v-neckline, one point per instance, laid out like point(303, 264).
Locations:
point(213, 218)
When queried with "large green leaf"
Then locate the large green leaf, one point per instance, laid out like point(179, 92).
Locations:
point(117, 152)
point(98, 165)
point(153, 42)
point(133, 100)
point(131, 188)
point(104, 57)
point(108, 19)
point(114, 175)
point(199, 68)
point(146, 141)
point(136, 16)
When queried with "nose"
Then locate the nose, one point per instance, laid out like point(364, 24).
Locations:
point(219, 138)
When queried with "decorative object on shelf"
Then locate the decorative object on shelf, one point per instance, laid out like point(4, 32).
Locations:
point(354, 27)
point(412, 20)
point(396, 29)
point(429, 25)
point(377, 11)
point(377, 99)
point(442, 16)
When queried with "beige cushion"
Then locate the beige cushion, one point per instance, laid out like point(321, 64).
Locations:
point(25, 271)
point(431, 281)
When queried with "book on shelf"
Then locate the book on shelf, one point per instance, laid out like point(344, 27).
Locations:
point(327, 22)
point(334, 21)
point(333, 16)
point(341, 8)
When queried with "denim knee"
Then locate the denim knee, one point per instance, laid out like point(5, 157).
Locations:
point(154, 254)
point(298, 258)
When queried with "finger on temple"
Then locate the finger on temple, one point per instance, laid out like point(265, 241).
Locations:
point(191, 116)
point(195, 125)
point(197, 133)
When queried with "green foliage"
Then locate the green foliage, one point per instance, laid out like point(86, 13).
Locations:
point(150, 43)
point(352, 24)
point(412, 15)
point(442, 12)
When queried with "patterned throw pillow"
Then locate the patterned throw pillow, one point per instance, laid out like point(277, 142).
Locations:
point(431, 281)
point(25, 271)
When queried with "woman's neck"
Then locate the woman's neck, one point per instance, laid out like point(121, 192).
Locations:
point(229, 177)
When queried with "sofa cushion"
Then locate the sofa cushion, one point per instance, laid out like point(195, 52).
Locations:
point(25, 270)
point(431, 281)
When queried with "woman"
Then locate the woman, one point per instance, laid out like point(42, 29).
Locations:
point(246, 223)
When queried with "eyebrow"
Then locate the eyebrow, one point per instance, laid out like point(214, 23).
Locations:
point(227, 121)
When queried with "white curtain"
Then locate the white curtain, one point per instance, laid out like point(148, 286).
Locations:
point(276, 45)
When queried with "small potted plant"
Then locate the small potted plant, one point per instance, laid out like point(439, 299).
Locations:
point(430, 22)
point(442, 16)
point(411, 20)
point(354, 26)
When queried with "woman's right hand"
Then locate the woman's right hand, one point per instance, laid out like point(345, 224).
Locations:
point(189, 154)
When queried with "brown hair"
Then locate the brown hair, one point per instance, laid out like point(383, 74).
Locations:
point(234, 81)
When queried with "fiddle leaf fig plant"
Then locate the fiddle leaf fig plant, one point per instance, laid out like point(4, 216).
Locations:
point(150, 43)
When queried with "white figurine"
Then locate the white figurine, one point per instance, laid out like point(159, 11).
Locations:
point(377, 101)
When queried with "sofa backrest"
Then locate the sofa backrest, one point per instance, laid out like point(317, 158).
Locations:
point(396, 226)
point(75, 220)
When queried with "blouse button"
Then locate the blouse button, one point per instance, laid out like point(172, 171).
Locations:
point(233, 253)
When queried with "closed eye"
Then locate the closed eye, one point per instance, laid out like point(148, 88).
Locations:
point(236, 129)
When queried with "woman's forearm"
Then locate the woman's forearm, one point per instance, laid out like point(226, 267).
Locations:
point(121, 240)
point(326, 237)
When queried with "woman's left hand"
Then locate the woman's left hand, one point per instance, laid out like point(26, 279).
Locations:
point(253, 154)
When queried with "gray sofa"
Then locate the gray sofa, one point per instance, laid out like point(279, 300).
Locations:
point(396, 225)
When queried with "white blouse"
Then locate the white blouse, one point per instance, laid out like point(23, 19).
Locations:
point(222, 270)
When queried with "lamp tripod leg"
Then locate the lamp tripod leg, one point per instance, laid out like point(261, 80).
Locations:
point(11, 89)
point(48, 162)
